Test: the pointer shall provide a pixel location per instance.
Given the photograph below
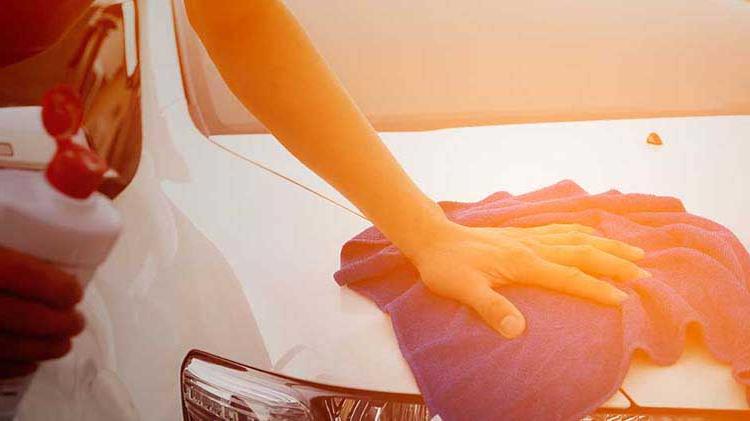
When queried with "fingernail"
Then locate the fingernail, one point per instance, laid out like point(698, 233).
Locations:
point(620, 296)
point(511, 326)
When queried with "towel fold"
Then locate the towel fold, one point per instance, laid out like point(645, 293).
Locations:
point(574, 353)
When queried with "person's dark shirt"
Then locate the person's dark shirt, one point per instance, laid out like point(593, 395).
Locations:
point(28, 27)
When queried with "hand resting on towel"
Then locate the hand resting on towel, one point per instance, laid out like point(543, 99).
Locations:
point(465, 263)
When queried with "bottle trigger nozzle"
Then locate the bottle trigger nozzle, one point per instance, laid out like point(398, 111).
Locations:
point(75, 170)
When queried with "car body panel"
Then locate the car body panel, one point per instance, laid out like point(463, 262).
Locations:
point(328, 320)
point(230, 245)
point(467, 164)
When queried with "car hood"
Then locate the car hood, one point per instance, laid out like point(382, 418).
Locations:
point(286, 236)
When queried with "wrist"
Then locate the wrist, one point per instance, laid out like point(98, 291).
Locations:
point(427, 229)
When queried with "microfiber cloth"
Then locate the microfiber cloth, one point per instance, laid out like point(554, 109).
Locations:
point(574, 353)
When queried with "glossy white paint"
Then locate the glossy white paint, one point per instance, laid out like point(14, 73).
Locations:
point(31, 146)
point(468, 163)
point(222, 255)
point(702, 161)
point(165, 290)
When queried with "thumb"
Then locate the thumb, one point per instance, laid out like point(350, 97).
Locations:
point(497, 312)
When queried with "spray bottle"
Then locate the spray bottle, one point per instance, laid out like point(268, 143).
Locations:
point(57, 216)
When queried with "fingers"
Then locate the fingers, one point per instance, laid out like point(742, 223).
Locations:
point(560, 229)
point(28, 277)
point(551, 229)
point(11, 369)
point(37, 317)
point(29, 349)
point(572, 280)
point(593, 261)
point(29, 318)
point(617, 248)
point(497, 311)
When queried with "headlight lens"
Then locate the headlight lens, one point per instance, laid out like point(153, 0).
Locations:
point(217, 389)
point(214, 388)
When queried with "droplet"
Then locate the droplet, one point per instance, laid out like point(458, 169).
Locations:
point(654, 139)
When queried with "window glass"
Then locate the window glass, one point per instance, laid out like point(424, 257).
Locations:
point(423, 64)
point(98, 56)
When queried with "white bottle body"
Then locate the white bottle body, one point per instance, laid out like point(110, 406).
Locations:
point(74, 235)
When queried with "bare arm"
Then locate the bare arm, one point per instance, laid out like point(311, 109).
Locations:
point(270, 64)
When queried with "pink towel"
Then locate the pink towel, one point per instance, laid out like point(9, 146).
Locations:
point(574, 353)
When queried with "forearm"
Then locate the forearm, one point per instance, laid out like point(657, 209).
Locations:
point(270, 64)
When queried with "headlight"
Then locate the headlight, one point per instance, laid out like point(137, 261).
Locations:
point(217, 389)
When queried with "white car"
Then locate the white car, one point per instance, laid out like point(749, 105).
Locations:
point(218, 301)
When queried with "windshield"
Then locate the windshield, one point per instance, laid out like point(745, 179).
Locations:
point(422, 65)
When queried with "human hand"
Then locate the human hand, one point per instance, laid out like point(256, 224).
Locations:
point(465, 263)
point(37, 315)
